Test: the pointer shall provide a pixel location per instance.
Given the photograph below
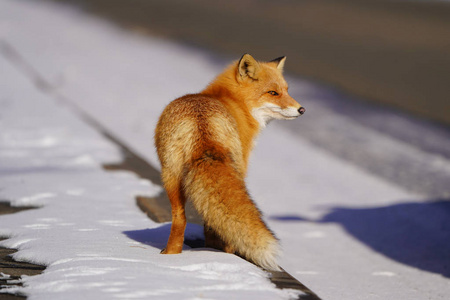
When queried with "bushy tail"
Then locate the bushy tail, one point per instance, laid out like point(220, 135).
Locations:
point(218, 193)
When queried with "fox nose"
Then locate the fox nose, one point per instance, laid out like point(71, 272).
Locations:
point(301, 110)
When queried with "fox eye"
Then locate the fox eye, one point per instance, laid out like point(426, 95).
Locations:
point(273, 93)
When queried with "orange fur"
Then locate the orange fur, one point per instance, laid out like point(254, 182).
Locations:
point(204, 141)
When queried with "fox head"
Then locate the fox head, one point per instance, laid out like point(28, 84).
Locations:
point(265, 90)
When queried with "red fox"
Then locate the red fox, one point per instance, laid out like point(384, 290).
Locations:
point(203, 142)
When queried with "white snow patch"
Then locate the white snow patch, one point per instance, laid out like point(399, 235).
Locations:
point(307, 272)
point(314, 234)
point(384, 273)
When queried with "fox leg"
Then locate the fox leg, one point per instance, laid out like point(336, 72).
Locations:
point(212, 240)
point(178, 202)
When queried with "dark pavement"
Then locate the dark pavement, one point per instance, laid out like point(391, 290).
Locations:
point(10, 267)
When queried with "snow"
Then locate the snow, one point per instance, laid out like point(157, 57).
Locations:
point(96, 243)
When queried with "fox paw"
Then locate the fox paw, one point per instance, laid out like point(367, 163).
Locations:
point(171, 251)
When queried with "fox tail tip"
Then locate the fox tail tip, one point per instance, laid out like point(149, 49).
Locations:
point(268, 259)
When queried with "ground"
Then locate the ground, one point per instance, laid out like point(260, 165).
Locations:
point(361, 208)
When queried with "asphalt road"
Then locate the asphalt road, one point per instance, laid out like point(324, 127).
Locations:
point(389, 52)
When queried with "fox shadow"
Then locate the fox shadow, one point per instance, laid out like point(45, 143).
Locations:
point(415, 234)
point(157, 237)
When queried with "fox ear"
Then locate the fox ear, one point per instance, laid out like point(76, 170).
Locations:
point(248, 67)
point(280, 62)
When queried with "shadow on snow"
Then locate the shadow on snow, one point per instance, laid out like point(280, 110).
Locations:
point(157, 237)
point(415, 234)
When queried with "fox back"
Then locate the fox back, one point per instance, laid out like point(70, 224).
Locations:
point(203, 142)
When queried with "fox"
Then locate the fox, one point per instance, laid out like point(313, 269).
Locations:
point(203, 142)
